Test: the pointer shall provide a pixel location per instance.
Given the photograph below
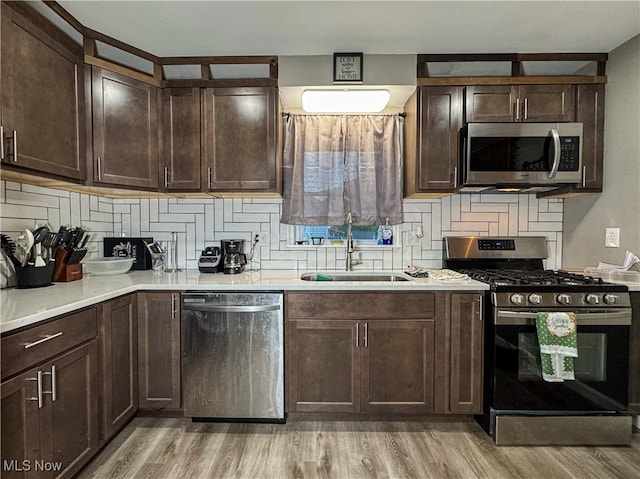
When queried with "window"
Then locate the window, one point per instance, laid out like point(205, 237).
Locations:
point(340, 166)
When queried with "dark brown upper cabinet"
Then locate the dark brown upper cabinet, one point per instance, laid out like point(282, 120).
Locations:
point(239, 138)
point(590, 112)
point(125, 130)
point(433, 165)
point(180, 139)
point(519, 103)
point(42, 100)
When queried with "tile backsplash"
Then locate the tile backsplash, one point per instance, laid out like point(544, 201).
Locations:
point(203, 222)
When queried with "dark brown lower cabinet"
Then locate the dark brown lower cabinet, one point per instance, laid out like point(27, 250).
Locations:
point(118, 333)
point(465, 354)
point(397, 371)
point(51, 430)
point(364, 362)
point(159, 350)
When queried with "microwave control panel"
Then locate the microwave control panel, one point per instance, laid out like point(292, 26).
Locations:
point(569, 153)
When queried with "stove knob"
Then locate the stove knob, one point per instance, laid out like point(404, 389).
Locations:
point(611, 298)
point(517, 298)
point(564, 299)
point(593, 299)
point(535, 298)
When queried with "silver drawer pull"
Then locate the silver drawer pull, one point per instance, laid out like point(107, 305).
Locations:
point(43, 340)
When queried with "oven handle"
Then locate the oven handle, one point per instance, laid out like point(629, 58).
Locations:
point(619, 317)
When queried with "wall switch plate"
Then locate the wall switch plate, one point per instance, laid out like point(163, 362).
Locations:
point(612, 237)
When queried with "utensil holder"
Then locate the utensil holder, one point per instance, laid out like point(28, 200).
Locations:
point(34, 277)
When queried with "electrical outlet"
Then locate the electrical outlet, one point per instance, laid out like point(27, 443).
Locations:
point(263, 238)
point(612, 237)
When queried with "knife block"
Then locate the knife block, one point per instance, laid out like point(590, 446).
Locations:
point(70, 272)
point(63, 271)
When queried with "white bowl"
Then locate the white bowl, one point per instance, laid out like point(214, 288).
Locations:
point(108, 266)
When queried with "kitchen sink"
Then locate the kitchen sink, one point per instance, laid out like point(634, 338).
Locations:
point(354, 276)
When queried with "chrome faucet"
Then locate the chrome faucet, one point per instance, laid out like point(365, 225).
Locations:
point(350, 263)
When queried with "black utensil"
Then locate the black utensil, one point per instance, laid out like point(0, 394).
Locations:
point(84, 241)
point(9, 248)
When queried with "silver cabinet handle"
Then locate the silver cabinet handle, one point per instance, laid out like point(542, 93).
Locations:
point(48, 337)
point(366, 335)
point(556, 152)
point(166, 177)
point(173, 306)
point(53, 383)
point(14, 146)
point(1, 143)
point(357, 335)
point(38, 398)
point(584, 176)
point(209, 178)
point(455, 176)
point(480, 302)
point(99, 169)
point(517, 109)
point(526, 109)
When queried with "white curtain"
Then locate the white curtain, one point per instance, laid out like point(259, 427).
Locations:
point(333, 165)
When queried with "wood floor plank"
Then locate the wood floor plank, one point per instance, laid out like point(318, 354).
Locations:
point(176, 448)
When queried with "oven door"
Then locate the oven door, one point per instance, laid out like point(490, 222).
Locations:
point(601, 368)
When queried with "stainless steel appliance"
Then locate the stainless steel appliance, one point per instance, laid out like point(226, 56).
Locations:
point(234, 259)
point(520, 407)
point(211, 260)
point(232, 356)
point(517, 154)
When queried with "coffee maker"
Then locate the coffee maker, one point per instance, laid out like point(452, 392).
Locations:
point(234, 259)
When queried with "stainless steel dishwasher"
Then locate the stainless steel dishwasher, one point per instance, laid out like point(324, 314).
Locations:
point(232, 356)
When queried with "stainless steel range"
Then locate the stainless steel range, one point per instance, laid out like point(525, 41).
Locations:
point(524, 403)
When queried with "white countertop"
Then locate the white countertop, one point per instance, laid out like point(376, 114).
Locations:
point(24, 307)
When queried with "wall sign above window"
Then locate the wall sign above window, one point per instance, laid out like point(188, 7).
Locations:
point(347, 67)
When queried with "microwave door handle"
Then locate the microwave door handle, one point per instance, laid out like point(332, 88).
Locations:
point(556, 152)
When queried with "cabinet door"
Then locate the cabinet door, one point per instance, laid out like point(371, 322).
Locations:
point(590, 112)
point(465, 361)
point(439, 141)
point(20, 427)
point(125, 130)
point(323, 366)
point(42, 100)
point(239, 139)
point(159, 350)
point(398, 366)
point(118, 354)
point(491, 103)
point(546, 103)
point(180, 139)
point(73, 411)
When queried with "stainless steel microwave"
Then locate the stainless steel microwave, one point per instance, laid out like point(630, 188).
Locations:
point(495, 154)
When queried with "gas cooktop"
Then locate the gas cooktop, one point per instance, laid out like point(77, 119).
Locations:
point(507, 277)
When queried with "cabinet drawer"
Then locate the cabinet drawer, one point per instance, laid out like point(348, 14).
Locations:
point(366, 305)
point(27, 348)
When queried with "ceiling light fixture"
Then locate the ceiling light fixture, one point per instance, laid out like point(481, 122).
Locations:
point(344, 101)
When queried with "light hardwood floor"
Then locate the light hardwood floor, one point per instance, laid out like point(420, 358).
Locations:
point(179, 449)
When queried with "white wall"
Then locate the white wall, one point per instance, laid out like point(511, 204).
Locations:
point(585, 218)
point(203, 222)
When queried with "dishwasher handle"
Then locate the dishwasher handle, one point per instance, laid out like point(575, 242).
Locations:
point(219, 308)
